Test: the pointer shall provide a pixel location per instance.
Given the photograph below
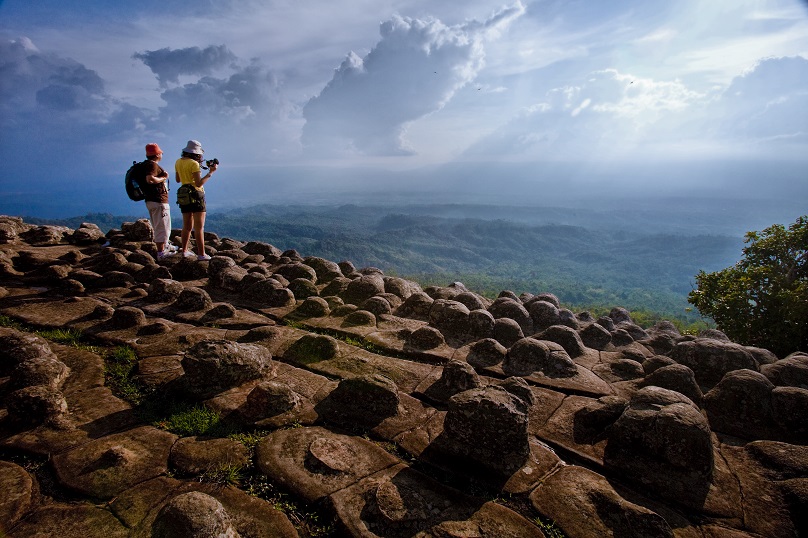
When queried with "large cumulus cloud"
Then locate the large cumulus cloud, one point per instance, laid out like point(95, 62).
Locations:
point(413, 70)
point(611, 115)
point(54, 105)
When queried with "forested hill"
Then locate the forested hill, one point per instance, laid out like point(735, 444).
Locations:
point(617, 258)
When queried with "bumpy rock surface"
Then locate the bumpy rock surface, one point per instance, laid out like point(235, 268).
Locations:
point(266, 379)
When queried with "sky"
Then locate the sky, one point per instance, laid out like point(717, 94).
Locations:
point(311, 101)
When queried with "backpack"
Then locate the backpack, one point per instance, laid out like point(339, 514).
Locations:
point(134, 177)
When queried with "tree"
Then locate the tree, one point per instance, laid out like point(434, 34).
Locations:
point(763, 299)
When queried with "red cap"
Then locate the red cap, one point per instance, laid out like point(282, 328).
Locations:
point(152, 149)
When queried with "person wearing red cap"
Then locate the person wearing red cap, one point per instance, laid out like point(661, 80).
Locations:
point(156, 191)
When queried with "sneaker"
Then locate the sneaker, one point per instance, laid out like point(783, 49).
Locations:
point(172, 248)
point(164, 254)
point(187, 254)
point(203, 257)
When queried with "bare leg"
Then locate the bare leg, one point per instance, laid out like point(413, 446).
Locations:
point(187, 223)
point(199, 232)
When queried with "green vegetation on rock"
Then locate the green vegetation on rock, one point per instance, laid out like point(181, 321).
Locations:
point(763, 299)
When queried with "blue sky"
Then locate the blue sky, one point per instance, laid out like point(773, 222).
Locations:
point(276, 88)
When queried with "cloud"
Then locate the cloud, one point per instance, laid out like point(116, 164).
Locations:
point(46, 97)
point(769, 101)
point(613, 114)
point(599, 117)
point(414, 70)
point(168, 65)
point(29, 78)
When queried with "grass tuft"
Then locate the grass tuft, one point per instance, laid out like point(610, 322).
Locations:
point(190, 421)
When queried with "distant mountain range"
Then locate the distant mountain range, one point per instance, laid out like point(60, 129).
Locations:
point(643, 260)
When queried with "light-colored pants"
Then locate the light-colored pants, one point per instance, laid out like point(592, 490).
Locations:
point(160, 217)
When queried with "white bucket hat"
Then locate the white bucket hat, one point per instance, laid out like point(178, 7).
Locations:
point(194, 147)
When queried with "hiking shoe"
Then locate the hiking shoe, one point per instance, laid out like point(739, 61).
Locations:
point(203, 257)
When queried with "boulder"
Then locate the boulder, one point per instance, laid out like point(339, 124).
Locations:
point(268, 399)
point(126, 317)
point(400, 287)
point(663, 442)
point(519, 388)
point(488, 427)
point(378, 305)
point(486, 352)
point(416, 306)
point(303, 288)
point(269, 252)
point(212, 366)
point(449, 317)
point(676, 377)
point(789, 372)
point(229, 278)
point(193, 300)
point(37, 404)
point(530, 355)
point(46, 371)
point(481, 323)
point(565, 336)
point(363, 288)
point(471, 300)
point(544, 314)
point(44, 235)
point(457, 376)
point(619, 315)
point(164, 290)
point(292, 271)
point(505, 307)
point(361, 402)
point(788, 408)
point(595, 337)
point(311, 348)
point(140, 230)
point(312, 307)
point(740, 405)
point(507, 331)
point(19, 347)
point(424, 338)
point(336, 286)
point(710, 359)
point(194, 514)
point(358, 318)
point(325, 270)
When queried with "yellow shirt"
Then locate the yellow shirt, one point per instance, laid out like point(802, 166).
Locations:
point(185, 169)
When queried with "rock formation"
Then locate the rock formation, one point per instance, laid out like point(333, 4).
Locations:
point(386, 408)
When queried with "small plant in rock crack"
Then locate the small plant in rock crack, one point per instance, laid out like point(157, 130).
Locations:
point(225, 474)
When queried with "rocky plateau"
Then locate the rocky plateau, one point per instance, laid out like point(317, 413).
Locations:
point(391, 409)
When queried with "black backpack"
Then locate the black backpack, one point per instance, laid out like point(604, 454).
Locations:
point(133, 181)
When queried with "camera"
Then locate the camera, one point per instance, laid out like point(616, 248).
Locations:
point(211, 162)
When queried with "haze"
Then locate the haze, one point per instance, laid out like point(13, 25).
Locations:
point(530, 102)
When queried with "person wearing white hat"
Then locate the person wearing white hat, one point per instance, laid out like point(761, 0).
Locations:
point(191, 197)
